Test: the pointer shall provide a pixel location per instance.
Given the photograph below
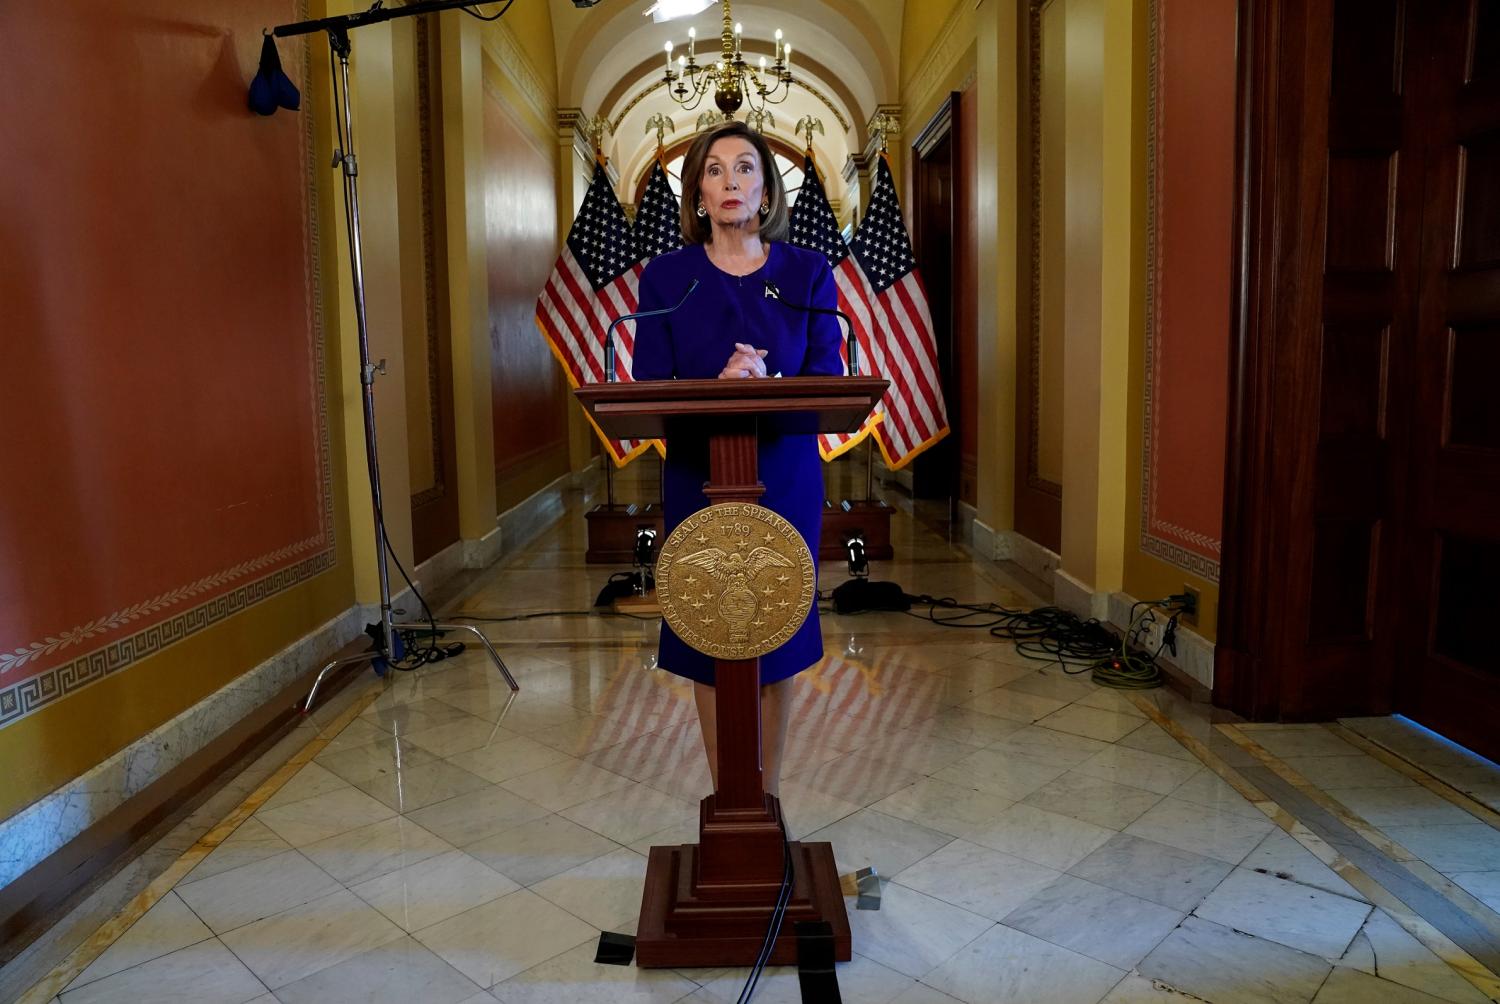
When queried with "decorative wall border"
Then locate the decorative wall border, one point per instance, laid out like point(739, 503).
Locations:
point(500, 42)
point(1034, 478)
point(1171, 551)
point(20, 699)
point(941, 57)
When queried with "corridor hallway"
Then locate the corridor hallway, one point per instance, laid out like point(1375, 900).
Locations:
point(1040, 838)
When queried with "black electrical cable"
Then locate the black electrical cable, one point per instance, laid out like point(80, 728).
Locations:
point(555, 613)
point(773, 929)
point(431, 655)
point(474, 13)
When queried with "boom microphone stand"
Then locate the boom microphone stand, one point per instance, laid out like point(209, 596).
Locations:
point(386, 644)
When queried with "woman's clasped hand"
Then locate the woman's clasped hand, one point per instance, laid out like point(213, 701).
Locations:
point(747, 361)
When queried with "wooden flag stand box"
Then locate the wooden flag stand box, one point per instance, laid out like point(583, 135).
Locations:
point(710, 903)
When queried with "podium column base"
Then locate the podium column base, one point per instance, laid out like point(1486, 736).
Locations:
point(681, 929)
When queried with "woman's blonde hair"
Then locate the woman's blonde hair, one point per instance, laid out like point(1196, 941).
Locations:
point(697, 229)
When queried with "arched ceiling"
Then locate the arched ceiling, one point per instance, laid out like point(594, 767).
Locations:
point(610, 61)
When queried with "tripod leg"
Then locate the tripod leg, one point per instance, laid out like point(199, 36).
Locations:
point(307, 705)
point(483, 640)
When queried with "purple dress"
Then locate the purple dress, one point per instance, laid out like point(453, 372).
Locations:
point(695, 343)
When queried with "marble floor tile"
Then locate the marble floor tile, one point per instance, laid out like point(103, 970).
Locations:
point(235, 898)
point(383, 757)
point(856, 778)
point(957, 811)
point(1207, 789)
point(313, 779)
point(1042, 837)
point(1280, 855)
point(683, 832)
point(1152, 738)
point(566, 784)
point(1290, 914)
point(289, 946)
point(645, 756)
point(631, 813)
point(1016, 705)
point(1348, 986)
point(979, 879)
point(576, 978)
point(869, 838)
point(1403, 806)
point(1227, 836)
point(1170, 876)
point(807, 809)
point(1093, 800)
point(1212, 962)
point(1347, 772)
point(588, 734)
point(605, 892)
point(914, 933)
point(860, 979)
point(1006, 966)
point(401, 718)
point(529, 716)
point(1062, 749)
point(360, 732)
point(250, 842)
point(411, 789)
point(400, 970)
point(1472, 847)
point(1092, 723)
point(921, 993)
point(1138, 769)
point(168, 926)
point(539, 849)
point(506, 936)
point(972, 728)
point(507, 759)
point(1136, 989)
point(459, 735)
point(371, 851)
point(1008, 775)
point(206, 973)
point(1483, 886)
point(433, 889)
point(313, 819)
point(1117, 701)
point(1094, 920)
point(1052, 682)
point(1301, 740)
point(690, 782)
point(1383, 948)
point(916, 751)
point(468, 818)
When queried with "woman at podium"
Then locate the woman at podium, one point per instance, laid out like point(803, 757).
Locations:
point(734, 224)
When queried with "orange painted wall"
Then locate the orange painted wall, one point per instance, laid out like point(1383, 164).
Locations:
point(169, 458)
point(530, 392)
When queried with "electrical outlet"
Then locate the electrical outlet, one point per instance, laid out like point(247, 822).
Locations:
point(1190, 608)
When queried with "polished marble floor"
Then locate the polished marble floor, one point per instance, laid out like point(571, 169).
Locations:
point(1041, 839)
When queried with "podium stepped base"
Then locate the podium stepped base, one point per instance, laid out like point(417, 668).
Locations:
point(681, 927)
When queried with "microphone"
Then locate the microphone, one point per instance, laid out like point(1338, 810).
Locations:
point(609, 333)
point(772, 293)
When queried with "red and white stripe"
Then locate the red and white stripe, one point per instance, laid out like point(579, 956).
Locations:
point(832, 444)
point(574, 318)
point(903, 349)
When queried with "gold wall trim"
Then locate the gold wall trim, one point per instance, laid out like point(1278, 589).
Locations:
point(1034, 341)
point(940, 57)
point(500, 42)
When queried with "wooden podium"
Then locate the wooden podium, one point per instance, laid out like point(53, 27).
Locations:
point(710, 903)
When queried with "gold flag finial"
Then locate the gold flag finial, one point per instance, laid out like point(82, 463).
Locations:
point(661, 125)
point(806, 126)
point(758, 119)
point(883, 126)
point(595, 128)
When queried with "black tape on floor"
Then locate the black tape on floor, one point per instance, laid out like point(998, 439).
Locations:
point(815, 972)
point(615, 949)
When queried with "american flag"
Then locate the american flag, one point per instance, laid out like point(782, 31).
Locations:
point(892, 306)
point(658, 227)
point(594, 281)
point(813, 226)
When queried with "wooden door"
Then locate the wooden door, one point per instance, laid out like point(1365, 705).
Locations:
point(434, 500)
point(1451, 665)
point(935, 471)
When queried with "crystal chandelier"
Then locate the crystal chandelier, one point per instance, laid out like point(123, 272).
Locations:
point(733, 81)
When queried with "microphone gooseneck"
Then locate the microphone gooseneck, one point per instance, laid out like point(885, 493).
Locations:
point(609, 333)
point(773, 293)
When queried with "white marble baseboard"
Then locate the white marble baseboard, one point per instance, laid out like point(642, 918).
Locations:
point(1195, 653)
point(45, 826)
point(484, 552)
point(441, 566)
point(1038, 560)
point(1077, 596)
point(985, 540)
point(523, 521)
